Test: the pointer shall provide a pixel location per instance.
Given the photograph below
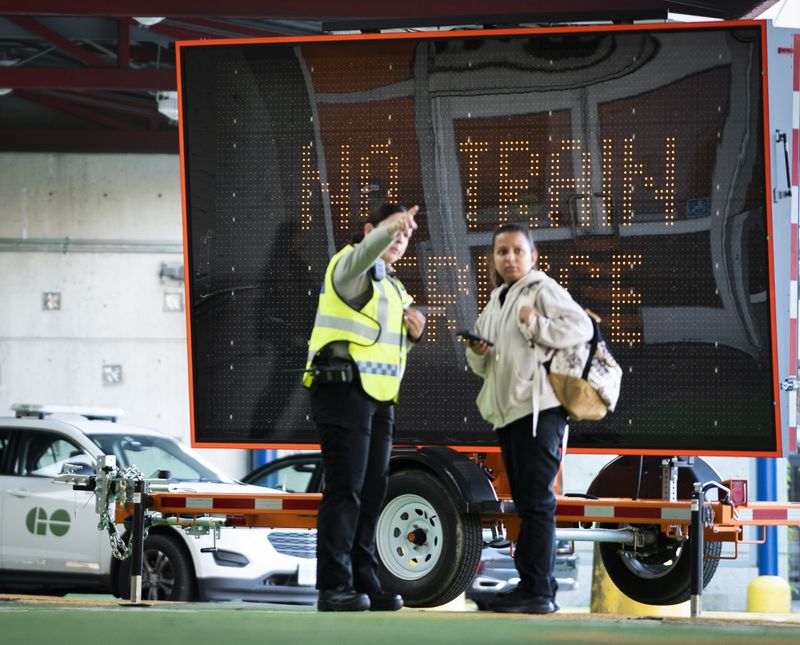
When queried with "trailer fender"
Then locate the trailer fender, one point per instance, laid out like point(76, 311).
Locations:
point(468, 484)
point(619, 478)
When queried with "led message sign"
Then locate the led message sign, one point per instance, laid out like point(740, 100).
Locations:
point(635, 154)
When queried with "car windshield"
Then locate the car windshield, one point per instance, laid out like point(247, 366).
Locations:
point(151, 453)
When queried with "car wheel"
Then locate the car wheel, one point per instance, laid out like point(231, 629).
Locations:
point(167, 573)
point(428, 549)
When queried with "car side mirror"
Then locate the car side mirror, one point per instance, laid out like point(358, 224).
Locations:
point(79, 463)
point(77, 469)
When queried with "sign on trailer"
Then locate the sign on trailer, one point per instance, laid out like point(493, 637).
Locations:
point(638, 154)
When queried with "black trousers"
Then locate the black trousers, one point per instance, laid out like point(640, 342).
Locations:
point(356, 438)
point(532, 464)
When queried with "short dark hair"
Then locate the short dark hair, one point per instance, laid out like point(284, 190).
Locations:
point(376, 216)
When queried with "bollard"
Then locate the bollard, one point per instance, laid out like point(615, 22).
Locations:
point(769, 595)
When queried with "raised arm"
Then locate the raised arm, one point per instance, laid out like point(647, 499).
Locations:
point(350, 278)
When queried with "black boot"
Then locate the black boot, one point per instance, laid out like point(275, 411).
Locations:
point(381, 600)
point(342, 599)
point(520, 601)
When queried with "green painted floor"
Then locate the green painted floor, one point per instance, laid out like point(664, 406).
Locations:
point(80, 621)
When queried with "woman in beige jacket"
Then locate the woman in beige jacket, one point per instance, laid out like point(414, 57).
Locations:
point(527, 318)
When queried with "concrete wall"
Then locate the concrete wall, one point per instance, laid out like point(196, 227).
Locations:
point(95, 228)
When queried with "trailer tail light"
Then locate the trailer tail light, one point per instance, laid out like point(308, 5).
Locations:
point(738, 488)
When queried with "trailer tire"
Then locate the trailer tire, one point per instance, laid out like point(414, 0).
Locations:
point(428, 550)
point(661, 576)
point(167, 573)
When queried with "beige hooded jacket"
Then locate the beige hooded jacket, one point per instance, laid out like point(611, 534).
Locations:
point(515, 381)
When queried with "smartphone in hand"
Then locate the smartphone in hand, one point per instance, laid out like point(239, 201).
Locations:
point(473, 337)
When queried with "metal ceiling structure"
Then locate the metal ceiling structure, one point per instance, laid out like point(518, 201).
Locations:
point(85, 77)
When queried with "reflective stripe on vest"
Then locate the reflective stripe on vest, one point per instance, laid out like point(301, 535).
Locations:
point(376, 334)
point(370, 367)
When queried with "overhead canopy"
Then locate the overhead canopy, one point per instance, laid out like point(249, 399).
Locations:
point(84, 77)
point(366, 9)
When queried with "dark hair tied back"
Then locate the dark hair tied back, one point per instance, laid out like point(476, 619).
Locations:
point(376, 216)
point(513, 227)
point(494, 277)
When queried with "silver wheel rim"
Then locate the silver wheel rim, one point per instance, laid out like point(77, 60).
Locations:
point(652, 570)
point(403, 517)
point(158, 575)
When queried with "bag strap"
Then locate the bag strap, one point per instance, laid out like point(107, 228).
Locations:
point(597, 338)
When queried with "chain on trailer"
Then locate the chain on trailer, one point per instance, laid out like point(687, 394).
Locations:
point(115, 490)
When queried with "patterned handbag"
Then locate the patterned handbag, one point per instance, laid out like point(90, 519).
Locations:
point(586, 378)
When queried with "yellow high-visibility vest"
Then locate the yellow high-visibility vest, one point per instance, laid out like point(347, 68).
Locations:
point(376, 333)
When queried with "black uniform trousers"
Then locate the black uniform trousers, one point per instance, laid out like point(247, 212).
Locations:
point(532, 464)
point(356, 437)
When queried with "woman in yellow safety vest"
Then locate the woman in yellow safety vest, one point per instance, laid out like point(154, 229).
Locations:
point(356, 359)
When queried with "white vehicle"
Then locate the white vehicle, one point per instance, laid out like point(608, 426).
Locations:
point(49, 538)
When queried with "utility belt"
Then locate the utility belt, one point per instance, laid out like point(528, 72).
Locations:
point(332, 369)
point(327, 368)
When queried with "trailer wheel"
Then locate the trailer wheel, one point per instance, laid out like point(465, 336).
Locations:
point(659, 575)
point(166, 571)
point(428, 549)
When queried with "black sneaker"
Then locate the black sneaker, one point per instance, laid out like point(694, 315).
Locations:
point(519, 601)
point(342, 599)
point(381, 600)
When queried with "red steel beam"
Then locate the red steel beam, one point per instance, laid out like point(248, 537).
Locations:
point(108, 102)
point(178, 33)
point(148, 55)
point(325, 9)
point(63, 105)
point(350, 10)
point(31, 25)
point(87, 79)
point(229, 27)
point(115, 101)
point(162, 141)
point(123, 44)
